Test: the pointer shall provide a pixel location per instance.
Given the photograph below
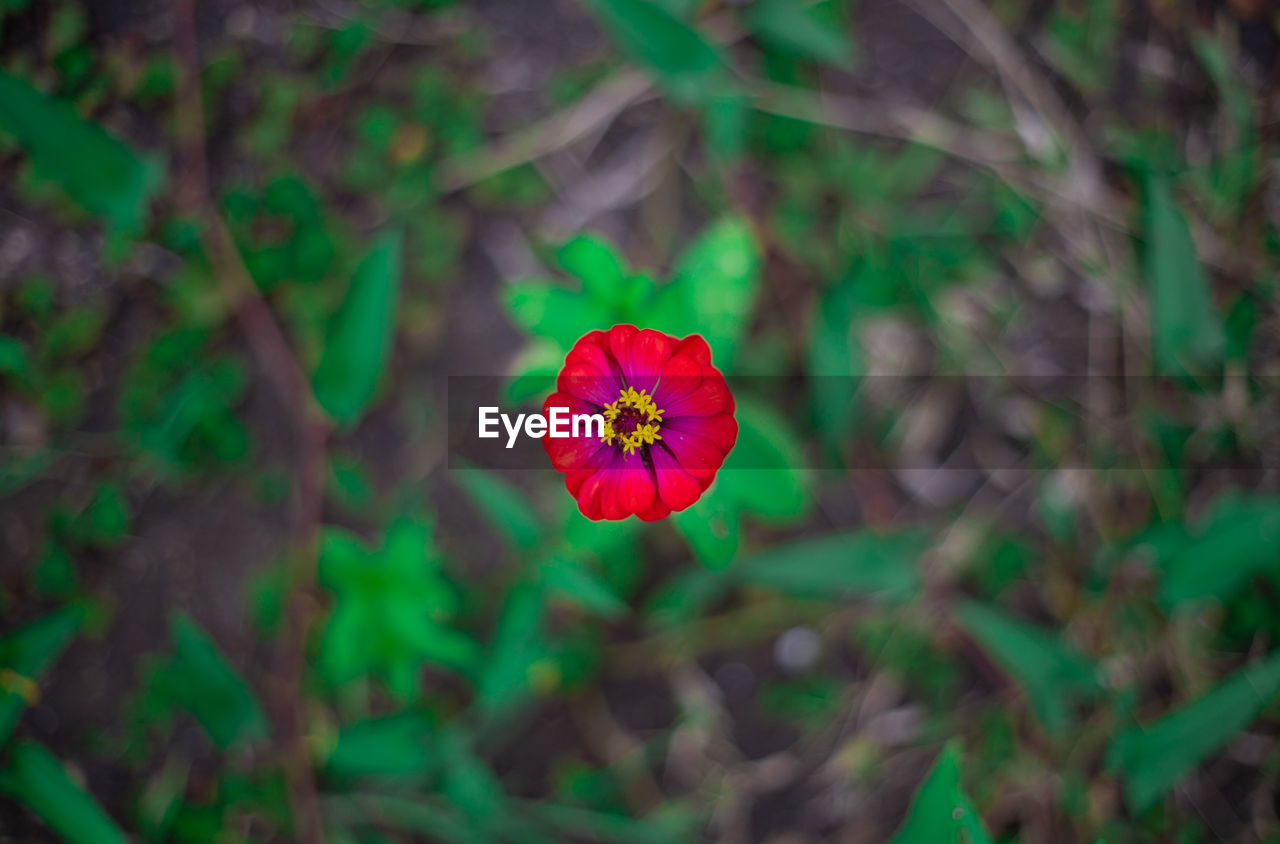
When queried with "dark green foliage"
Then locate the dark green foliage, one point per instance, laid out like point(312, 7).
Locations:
point(107, 178)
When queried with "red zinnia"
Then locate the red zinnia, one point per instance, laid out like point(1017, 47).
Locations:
point(668, 422)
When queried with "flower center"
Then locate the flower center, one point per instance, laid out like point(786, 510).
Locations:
point(632, 420)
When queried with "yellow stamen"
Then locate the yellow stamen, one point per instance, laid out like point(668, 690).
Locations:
point(644, 432)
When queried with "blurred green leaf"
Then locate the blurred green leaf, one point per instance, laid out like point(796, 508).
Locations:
point(599, 267)
point(686, 595)
point(394, 746)
point(199, 679)
point(546, 309)
point(1051, 672)
point(36, 779)
point(713, 291)
point(835, 361)
point(795, 27)
point(1153, 758)
point(103, 175)
point(349, 483)
point(764, 474)
point(26, 655)
point(688, 66)
point(391, 610)
point(73, 333)
point(518, 643)
point(469, 783)
point(571, 581)
point(1236, 540)
point(759, 478)
point(1080, 41)
point(711, 526)
point(860, 562)
point(724, 119)
point(1186, 330)
point(503, 506)
point(360, 338)
point(665, 824)
point(940, 810)
point(161, 800)
point(15, 362)
point(106, 519)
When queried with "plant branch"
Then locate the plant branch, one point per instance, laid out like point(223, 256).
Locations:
point(272, 351)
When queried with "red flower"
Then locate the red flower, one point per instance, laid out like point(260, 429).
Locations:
point(668, 422)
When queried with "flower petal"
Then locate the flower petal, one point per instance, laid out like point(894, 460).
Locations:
point(630, 487)
point(677, 489)
point(620, 338)
point(697, 456)
point(568, 453)
point(650, 351)
point(720, 428)
point(585, 381)
point(593, 355)
point(695, 347)
point(591, 495)
point(711, 396)
point(656, 512)
point(680, 376)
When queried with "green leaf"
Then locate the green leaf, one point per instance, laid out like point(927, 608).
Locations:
point(597, 265)
point(359, 341)
point(835, 361)
point(503, 506)
point(1186, 330)
point(554, 312)
point(395, 746)
point(792, 27)
point(1237, 540)
point(688, 66)
point(160, 802)
point(517, 644)
point(37, 780)
point(1050, 671)
point(1152, 759)
point(98, 172)
point(725, 120)
point(759, 478)
point(15, 362)
point(106, 519)
point(391, 610)
point(860, 562)
point(667, 823)
point(199, 679)
point(713, 292)
point(469, 783)
point(763, 474)
point(572, 581)
point(940, 811)
point(26, 655)
point(711, 526)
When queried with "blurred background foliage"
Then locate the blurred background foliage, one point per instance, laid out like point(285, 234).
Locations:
point(245, 596)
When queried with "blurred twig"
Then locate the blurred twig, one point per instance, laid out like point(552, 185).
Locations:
point(271, 349)
point(590, 114)
point(392, 26)
point(887, 120)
